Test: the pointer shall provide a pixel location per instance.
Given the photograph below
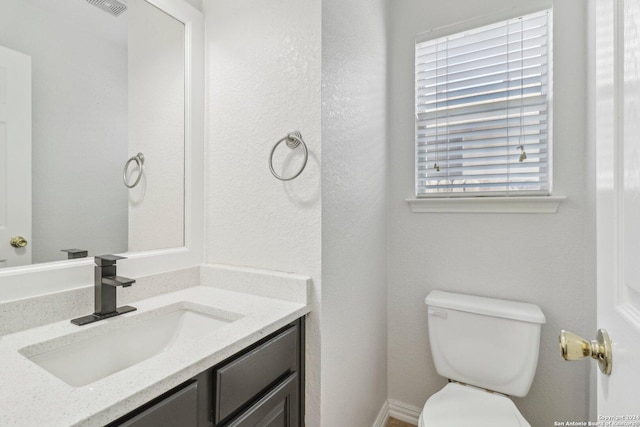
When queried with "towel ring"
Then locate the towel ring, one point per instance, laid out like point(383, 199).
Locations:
point(294, 139)
point(139, 159)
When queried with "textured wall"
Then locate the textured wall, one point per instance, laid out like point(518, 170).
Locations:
point(536, 258)
point(354, 321)
point(264, 81)
point(79, 127)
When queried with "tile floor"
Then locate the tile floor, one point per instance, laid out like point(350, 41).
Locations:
point(397, 423)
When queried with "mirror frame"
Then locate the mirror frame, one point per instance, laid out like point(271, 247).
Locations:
point(38, 279)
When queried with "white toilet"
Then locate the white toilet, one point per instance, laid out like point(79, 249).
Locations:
point(488, 349)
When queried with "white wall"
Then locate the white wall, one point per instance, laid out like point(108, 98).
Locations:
point(195, 3)
point(264, 78)
point(354, 142)
point(79, 128)
point(157, 128)
point(536, 258)
point(264, 81)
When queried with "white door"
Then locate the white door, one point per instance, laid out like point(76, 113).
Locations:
point(616, 26)
point(15, 158)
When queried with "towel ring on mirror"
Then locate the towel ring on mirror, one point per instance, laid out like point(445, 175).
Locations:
point(139, 159)
point(294, 139)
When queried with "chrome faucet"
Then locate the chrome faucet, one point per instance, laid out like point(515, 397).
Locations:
point(106, 282)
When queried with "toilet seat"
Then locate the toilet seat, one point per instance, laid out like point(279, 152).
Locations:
point(457, 405)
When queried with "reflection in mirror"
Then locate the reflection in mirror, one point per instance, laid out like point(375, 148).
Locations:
point(81, 92)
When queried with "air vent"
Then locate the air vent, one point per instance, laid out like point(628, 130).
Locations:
point(113, 7)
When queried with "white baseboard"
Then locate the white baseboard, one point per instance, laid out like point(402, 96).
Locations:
point(404, 412)
point(383, 416)
point(398, 410)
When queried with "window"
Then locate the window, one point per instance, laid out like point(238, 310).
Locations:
point(483, 111)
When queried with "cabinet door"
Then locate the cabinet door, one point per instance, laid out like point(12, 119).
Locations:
point(239, 381)
point(278, 408)
point(179, 409)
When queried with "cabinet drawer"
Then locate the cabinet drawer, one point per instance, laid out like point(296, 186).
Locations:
point(178, 409)
point(244, 378)
point(278, 408)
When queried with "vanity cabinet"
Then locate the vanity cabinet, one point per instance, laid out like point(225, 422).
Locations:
point(179, 408)
point(266, 368)
point(262, 385)
point(278, 408)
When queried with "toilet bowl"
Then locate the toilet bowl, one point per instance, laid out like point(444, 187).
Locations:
point(488, 348)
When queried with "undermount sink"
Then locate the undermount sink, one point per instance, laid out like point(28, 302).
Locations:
point(112, 349)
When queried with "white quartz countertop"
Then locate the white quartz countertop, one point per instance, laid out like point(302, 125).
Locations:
point(31, 396)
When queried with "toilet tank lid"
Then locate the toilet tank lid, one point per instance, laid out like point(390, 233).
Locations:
point(523, 311)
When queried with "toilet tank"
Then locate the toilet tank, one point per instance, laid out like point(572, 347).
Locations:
point(485, 342)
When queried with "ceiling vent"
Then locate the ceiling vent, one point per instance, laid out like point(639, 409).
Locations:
point(113, 7)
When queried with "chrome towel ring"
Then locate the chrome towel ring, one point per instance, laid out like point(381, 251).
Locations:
point(294, 139)
point(139, 159)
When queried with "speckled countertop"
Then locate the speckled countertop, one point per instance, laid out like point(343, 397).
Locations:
point(31, 396)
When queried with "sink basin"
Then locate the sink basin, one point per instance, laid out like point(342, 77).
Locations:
point(88, 359)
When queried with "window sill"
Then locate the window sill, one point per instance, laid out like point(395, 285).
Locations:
point(518, 205)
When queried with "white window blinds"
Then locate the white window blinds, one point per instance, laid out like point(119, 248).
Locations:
point(482, 111)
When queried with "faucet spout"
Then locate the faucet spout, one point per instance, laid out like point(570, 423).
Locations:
point(125, 282)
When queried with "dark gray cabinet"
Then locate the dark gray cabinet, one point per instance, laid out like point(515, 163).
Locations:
point(260, 386)
point(278, 408)
point(255, 372)
point(180, 408)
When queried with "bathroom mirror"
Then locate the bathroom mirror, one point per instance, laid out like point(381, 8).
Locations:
point(107, 82)
point(86, 85)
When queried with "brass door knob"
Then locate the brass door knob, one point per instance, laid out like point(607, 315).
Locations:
point(18, 242)
point(574, 347)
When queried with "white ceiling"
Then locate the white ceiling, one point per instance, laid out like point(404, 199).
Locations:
point(85, 17)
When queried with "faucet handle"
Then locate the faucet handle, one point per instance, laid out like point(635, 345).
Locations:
point(75, 253)
point(107, 260)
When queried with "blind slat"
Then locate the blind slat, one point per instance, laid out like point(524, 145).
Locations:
point(465, 93)
point(485, 142)
point(481, 141)
point(490, 66)
point(497, 107)
point(493, 123)
point(531, 37)
point(499, 56)
point(489, 31)
point(507, 94)
point(523, 175)
point(423, 86)
point(491, 160)
point(486, 186)
point(476, 118)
